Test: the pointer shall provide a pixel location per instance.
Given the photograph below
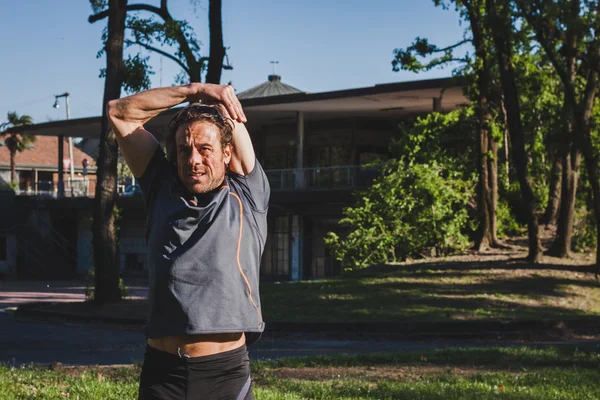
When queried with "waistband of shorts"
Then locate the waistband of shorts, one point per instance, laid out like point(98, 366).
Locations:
point(168, 357)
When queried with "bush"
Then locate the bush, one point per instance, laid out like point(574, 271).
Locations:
point(507, 224)
point(584, 231)
point(411, 209)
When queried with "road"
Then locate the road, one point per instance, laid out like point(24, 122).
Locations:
point(24, 340)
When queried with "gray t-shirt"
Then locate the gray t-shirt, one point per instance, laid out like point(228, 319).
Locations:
point(204, 252)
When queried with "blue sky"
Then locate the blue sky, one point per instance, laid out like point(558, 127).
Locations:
point(48, 47)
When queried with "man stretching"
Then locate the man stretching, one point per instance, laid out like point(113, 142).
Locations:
point(206, 203)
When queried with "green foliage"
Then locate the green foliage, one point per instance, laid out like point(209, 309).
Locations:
point(137, 74)
point(16, 143)
point(417, 206)
point(159, 33)
point(506, 221)
point(407, 59)
point(445, 137)
point(410, 209)
point(584, 231)
point(98, 5)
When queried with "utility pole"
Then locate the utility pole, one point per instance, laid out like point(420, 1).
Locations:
point(60, 138)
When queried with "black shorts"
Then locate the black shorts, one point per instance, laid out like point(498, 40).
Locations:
point(223, 376)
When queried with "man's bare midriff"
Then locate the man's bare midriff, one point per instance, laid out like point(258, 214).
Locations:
point(198, 345)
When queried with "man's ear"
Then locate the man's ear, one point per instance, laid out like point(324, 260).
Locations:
point(227, 151)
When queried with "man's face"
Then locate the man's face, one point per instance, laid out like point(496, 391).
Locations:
point(201, 162)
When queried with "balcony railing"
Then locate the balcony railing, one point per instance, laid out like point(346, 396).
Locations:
point(306, 179)
point(320, 178)
point(79, 187)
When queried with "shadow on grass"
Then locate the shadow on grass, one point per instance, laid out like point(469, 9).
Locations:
point(507, 358)
point(438, 291)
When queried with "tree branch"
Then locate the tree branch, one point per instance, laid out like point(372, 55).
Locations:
point(161, 52)
point(132, 7)
point(163, 13)
point(453, 46)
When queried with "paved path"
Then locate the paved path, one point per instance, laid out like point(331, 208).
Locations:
point(24, 340)
point(15, 293)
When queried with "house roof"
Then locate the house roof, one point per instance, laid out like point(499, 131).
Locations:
point(272, 87)
point(44, 155)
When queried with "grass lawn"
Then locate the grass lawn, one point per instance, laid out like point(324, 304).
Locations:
point(456, 288)
point(469, 287)
point(547, 373)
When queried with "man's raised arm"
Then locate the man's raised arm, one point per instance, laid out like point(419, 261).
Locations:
point(129, 114)
point(242, 155)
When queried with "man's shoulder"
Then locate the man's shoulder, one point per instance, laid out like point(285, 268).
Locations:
point(252, 188)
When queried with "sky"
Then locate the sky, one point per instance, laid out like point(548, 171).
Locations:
point(49, 47)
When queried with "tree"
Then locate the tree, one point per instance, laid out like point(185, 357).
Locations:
point(500, 22)
point(158, 36)
point(16, 143)
point(103, 226)
point(481, 74)
point(568, 30)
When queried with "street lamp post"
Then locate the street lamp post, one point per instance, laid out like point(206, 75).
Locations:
point(61, 190)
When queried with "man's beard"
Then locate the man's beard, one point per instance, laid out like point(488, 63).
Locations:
point(206, 187)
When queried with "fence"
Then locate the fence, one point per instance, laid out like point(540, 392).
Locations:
point(321, 178)
point(78, 187)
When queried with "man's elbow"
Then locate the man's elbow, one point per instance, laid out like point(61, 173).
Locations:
point(111, 109)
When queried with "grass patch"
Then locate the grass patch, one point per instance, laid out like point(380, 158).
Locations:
point(468, 287)
point(457, 288)
point(547, 373)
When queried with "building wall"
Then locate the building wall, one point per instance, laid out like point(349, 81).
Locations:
point(132, 245)
point(8, 255)
point(85, 250)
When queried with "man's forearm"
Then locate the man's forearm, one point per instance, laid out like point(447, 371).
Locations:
point(131, 112)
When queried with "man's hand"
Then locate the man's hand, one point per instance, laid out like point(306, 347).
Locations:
point(225, 95)
point(128, 116)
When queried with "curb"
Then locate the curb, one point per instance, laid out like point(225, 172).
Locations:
point(493, 329)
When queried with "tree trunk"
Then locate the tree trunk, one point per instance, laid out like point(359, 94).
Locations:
point(217, 49)
point(561, 247)
point(484, 196)
point(486, 208)
point(571, 158)
point(13, 166)
point(554, 195)
point(501, 32)
point(196, 72)
point(103, 227)
point(583, 140)
point(506, 143)
point(493, 185)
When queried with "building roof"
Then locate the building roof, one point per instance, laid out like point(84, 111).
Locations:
point(272, 87)
point(385, 101)
point(44, 155)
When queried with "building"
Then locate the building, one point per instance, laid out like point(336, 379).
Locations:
point(38, 234)
point(37, 169)
point(312, 146)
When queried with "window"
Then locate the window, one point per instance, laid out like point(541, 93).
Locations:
point(276, 259)
point(323, 262)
